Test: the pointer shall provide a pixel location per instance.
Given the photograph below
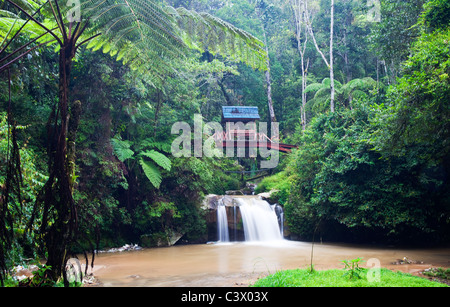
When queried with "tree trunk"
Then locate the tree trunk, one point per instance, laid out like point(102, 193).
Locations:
point(268, 79)
point(331, 57)
point(74, 120)
point(300, 9)
point(328, 62)
point(59, 215)
point(304, 76)
point(269, 97)
point(158, 107)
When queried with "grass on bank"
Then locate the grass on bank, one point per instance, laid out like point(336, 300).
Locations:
point(338, 278)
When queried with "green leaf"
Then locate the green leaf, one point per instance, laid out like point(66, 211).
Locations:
point(158, 158)
point(122, 149)
point(160, 146)
point(313, 87)
point(151, 172)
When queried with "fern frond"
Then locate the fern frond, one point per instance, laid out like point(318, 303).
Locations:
point(158, 158)
point(327, 83)
point(363, 84)
point(151, 172)
point(161, 146)
point(204, 31)
point(313, 87)
point(122, 149)
point(10, 25)
point(137, 32)
point(358, 94)
point(28, 5)
point(322, 92)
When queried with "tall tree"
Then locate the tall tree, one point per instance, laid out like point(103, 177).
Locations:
point(301, 13)
point(392, 37)
point(329, 62)
point(262, 11)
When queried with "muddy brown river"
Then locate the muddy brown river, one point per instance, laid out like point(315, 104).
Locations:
point(240, 264)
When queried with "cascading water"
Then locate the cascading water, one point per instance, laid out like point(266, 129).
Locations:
point(235, 222)
point(259, 220)
point(280, 216)
point(222, 223)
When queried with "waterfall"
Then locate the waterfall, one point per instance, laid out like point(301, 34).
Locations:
point(259, 220)
point(235, 223)
point(222, 223)
point(280, 216)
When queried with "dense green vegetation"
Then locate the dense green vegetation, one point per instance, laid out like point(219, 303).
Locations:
point(375, 169)
point(378, 170)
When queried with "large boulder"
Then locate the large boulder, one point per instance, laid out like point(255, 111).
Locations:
point(269, 196)
point(160, 239)
point(234, 192)
point(211, 201)
point(227, 201)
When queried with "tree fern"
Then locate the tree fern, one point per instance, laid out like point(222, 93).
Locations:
point(319, 102)
point(319, 88)
point(358, 86)
point(314, 87)
point(149, 159)
point(146, 35)
point(355, 88)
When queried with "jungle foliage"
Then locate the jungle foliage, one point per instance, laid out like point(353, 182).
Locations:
point(375, 169)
